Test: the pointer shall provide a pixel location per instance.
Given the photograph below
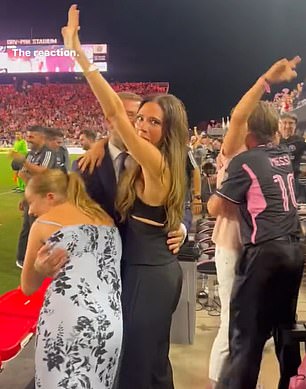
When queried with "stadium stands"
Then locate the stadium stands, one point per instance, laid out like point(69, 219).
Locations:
point(71, 107)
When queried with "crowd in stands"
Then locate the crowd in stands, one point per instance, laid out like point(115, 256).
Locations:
point(73, 108)
point(70, 107)
point(287, 99)
point(141, 88)
point(284, 101)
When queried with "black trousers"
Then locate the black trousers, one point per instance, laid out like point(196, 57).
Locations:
point(149, 298)
point(264, 300)
point(24, 234)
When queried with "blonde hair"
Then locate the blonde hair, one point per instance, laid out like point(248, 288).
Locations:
point(173, 148)
point(69, 186)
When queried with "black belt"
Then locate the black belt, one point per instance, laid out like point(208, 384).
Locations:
point(288, 238)
point(285, 238)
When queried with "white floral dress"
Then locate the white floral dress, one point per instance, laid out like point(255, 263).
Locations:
point(79, 331)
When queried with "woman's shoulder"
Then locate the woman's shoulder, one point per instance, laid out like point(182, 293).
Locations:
point(106, 221)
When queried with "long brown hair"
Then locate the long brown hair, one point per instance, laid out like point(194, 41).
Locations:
point(69, 186)
point(174, 150)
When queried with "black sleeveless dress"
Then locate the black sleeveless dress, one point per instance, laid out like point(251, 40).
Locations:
point(152, 281)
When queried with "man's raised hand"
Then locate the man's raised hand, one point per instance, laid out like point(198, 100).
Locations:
point(283, 71)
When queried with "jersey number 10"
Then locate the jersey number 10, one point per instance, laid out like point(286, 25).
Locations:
point(284, 189)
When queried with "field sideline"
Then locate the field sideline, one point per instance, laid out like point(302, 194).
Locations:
point(10, 225)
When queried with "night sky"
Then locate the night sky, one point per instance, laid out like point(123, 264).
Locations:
point(209, 50)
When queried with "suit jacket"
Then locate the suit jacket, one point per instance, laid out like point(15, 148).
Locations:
point(101, 185)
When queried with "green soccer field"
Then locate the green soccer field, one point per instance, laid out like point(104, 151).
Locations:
point(10, 225)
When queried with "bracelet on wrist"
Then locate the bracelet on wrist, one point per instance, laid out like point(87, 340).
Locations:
point(92, 68)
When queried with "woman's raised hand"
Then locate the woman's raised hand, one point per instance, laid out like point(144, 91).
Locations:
point(70, 31)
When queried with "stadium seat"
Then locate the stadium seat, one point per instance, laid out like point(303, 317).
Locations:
point(18, 319)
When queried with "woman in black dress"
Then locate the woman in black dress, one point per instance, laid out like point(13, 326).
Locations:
point(150, 202)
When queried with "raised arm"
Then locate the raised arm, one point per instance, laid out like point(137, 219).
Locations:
point(283, 70)
point(147, 155)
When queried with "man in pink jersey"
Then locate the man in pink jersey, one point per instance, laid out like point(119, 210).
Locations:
point(260, 182)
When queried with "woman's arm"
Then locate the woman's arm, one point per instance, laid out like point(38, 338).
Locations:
point(281, 71)
point(30, 279)
point(146, 154)
point(41, 261)
point(218, 206)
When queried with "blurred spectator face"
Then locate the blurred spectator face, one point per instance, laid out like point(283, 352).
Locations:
point(85, 142)
point(204, 141)
point(193, 139)
point(18, 135)
point(216, 145)
point(35, 139)
point(149, 122)
point(54, 144)
point(60, 141)
point(131, 107)
point(287, 127)
point(209, 168)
